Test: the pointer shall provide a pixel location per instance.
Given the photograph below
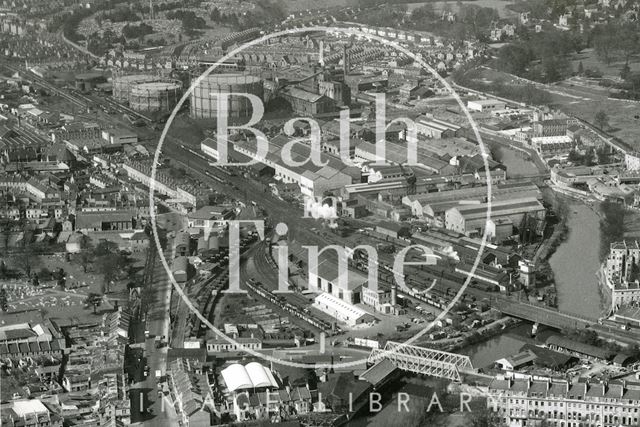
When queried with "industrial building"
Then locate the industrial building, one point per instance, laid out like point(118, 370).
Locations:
point(341, 310)
point(313, 180)
point(121, 219)
point(554, 127)
point(436, 128)
point(122, 84)
point(484, 105)
point(327, 279)
point(249, 377)
point(180, 269)
point(308, 103)
point(205, 95)
point(208, 218)
point(433, 205)
point(86, 82)
point(155, 96)
point(472, 221)
point(382, 299)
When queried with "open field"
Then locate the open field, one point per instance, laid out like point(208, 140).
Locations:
point(308, 5)
point(590, 61)
point(439, 6)
point(583, 100)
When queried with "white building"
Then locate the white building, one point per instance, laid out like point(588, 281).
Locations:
point(632, 161)
point(209, 217)
point(251, 376)
point(210, 147)
point(622, 274)
point(484, 105)
point(119, 136)
point(327, 279)
point(341, 310)
point(381, 299)
point(220, 345)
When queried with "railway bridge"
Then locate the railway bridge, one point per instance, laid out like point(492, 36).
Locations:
point(542, 315)
point(422, 360)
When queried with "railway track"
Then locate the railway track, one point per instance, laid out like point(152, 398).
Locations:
point(80, 101)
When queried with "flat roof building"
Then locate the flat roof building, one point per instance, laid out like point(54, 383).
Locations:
point(483, 105)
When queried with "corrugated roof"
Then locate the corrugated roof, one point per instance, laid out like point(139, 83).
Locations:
point(579, 347)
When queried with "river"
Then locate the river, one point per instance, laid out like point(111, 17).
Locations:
point(485, 353)
point(576, 262)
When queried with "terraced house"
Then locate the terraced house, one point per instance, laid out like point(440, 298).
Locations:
point(523, 401)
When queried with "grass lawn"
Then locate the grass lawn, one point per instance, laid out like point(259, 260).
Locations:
point(590, 61)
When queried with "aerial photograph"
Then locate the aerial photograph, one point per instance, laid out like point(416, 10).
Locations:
point(360, 213)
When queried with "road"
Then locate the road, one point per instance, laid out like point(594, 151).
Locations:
point(144, 392)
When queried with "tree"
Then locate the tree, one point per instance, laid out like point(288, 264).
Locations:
point(625, 71)
point(3, 300)
point(486, 418)
point(601, 120)
point(108, 266)
point(105, 247)
point(628, 35)
point(86, 255)
point(215, 15)
point(580, 68)
point(94, 300)
point(514, 59)
point(605, 42)
point(26, 259)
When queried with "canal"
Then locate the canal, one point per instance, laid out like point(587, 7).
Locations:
point(576, 262)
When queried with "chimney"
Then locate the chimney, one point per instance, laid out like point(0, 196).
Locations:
point(321, 55)
point(345, 60)
point(393, 294)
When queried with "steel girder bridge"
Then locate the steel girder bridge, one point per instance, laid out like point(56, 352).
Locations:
point(421, 360)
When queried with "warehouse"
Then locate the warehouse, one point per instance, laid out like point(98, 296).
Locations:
point(430, 205)
point(471, 219)
point(327, 278)
point(308, 103)
point(313, 180)
point(483, 105)
point(180, 269)
point(556, 342)
point(249, 377)
point(104, 221)
point(341, 310)
point(437, 129)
